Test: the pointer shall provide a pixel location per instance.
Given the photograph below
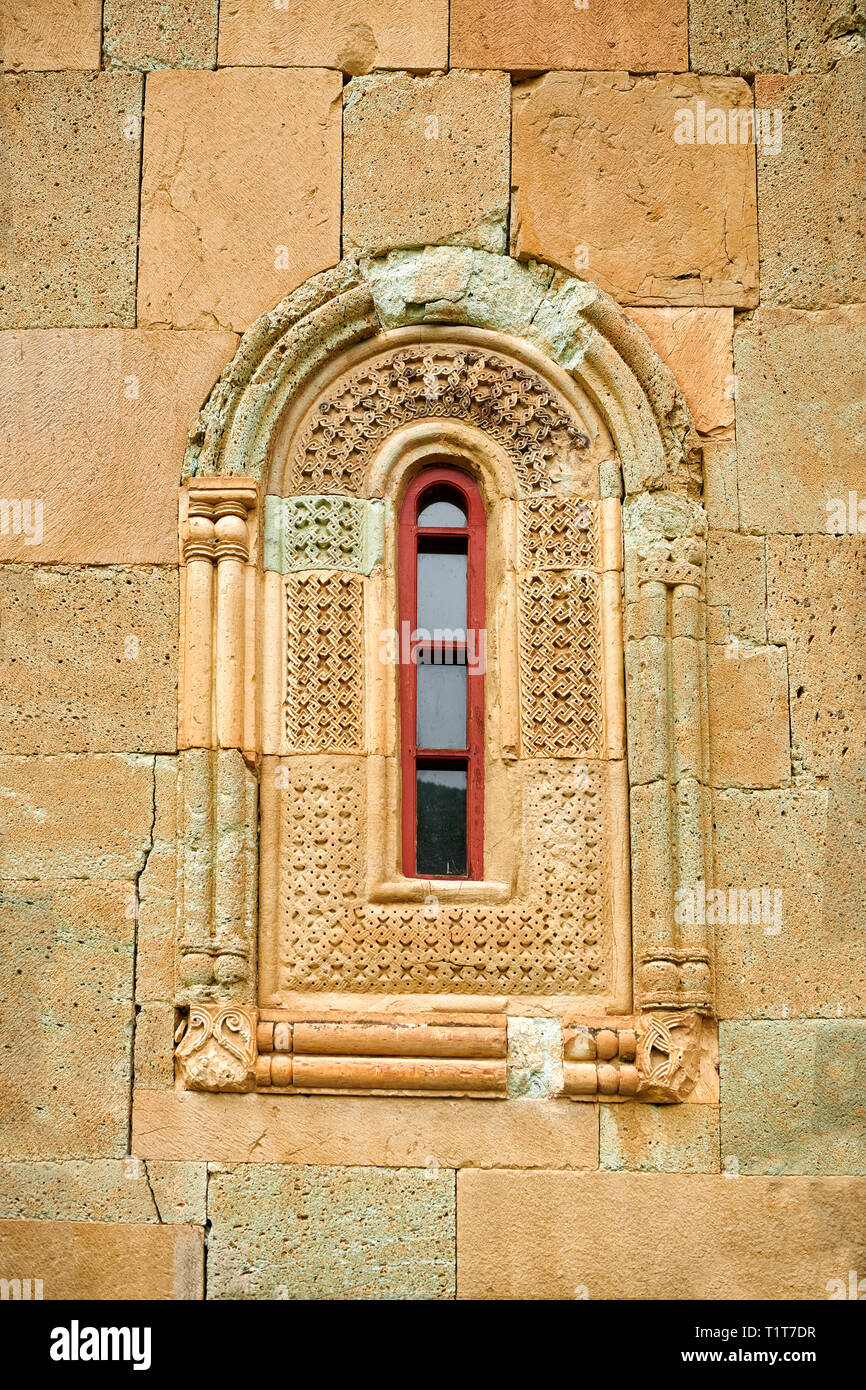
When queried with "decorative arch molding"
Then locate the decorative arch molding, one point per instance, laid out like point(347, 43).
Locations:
point(526, 362)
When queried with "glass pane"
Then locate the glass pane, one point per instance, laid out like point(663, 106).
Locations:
point(441, 704)
point(441, 843)
point(442, 574)
point(441, 512)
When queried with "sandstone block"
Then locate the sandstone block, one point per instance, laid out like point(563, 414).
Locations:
point(659, 1138)
point(153, 1056)
point(70, 146)
point(107, 1189)
point(697, 346)
point(67, 984)
point(636, 35)
point(240, 192)
point(811, 201)
point(70, 816)
point(92, 430)
point(721, 497)
point(736, 587)
point(803, 952)
point(331, 1233)
point(354, 35)
point(820, 32)
point(748, 709)
point(147, 34)
point(88, 659)
point(157, 891)
point(610, 1235)
point(49, 35)
point(105, 1260)
point(651, 218)
point(426, 160)
point(737, 36)
point(815, 587)
point(801, 417)
point(386, 1133)
point(792, 1096)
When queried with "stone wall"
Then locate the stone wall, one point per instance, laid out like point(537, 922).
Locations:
point(168, 172)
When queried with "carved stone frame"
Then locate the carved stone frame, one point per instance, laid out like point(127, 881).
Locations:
point(229, 679)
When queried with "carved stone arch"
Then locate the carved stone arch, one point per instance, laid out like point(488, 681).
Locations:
point(567, 355)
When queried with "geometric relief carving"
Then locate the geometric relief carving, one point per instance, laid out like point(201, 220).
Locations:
point(511, 403)
point(558, 533)
point(553, 940)
point(560, 665)
point(324, 663)
point(322, 533)
point(217, 1048)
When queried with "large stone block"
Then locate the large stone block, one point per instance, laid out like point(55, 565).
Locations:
point(736, 587)
point(605, 184)
point(70, 150)
point(68, 816)
point(147, 34)
point(801, 417)
point(354, 35)
point(749, 724)
point(721, 497)
point(792, 1096)
point(697, 345)
point(240, 192)
point(88, 659)
point(659, 1138)
point(655, 1235)
point(384, 1133)
point(66, 989)
point(820, 32)
point(636, 35)
point(107, 1189)
point(815, 587)
point(49, 35)
point(738, 36)
point(811, 201)
point(83, 1260)
point(92, 433)
point(157, 892)
point(426, 160)
point(801, 953)
point(331, 1233)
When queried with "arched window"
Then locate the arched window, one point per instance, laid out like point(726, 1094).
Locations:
point(443, 646)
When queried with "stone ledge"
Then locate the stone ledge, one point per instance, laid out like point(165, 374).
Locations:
point(105, 1260)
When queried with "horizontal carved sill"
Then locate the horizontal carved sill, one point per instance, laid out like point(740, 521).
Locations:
point(419, 890)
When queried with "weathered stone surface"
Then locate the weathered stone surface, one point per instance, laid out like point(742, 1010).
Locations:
point(792, 1096)
point(92, 428)
point(721, 497)
point(354, 35)
point(49, 35)
point(738, 36)
point(67, 982)
point(801, 416)
point(820, 32)
point(815, 587)
point(809, 956)
point(843, 873)
point(153, 1056)
point(85, 816)
point(331, 1233)
point(534, 1057)
point(736, 587)
point(650, 220)
point(611, 1235)
point(240, 192)
point(404, 1133)
point(426, 160)
point(659, 1138)
point(105, 1260)
point(88, 659)
point(748, 708)
point(635, 35)
point(457, 285)
point(106, 1189)
point(697, 346)
point(147, 34)
point(811, 200)
point(67, 257)
point(157, 892)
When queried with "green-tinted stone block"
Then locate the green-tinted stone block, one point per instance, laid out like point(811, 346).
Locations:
point(659, 1138)
point(323, 533)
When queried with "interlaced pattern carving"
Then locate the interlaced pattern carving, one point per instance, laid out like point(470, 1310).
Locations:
point(555, 940)
point(324, 663)
point(322, 533)
point(509, 402)
point(559, 533)
point(560, 665)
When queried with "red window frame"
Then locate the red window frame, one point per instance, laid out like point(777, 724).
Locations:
point(472, 756)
